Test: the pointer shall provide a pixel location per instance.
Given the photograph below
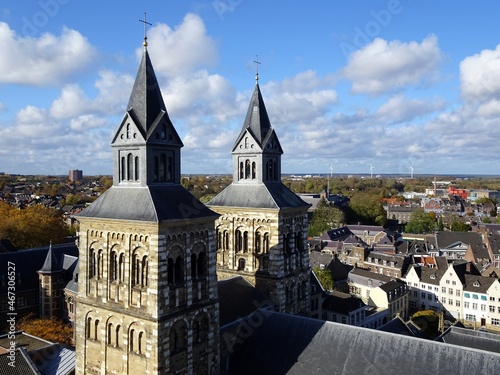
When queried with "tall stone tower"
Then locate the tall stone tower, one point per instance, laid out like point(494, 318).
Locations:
point(262, 230)
point(147, 295)
point(51, 286)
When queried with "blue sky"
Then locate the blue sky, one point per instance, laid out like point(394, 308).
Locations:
point(348, 84)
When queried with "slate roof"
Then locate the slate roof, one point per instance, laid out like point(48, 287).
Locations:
point(54, 359)
point(51, 263)
point(483, 283)
point(257, 120)
point(29, 261)
point(365, 274)
point(23, 364)
point(6, 246)
point(342, 303)
point(400, 327)
point(272, 195)
point(431, 275)
point(480, 251)
point(445, 239)
point(287, 344)
point(149, 203)
point(471, 339)
point(238, 299)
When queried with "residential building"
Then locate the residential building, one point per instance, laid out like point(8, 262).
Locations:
point(343, 308)
point(424, 288)
point(476, 300)
point(393, 296)
point(363, 282)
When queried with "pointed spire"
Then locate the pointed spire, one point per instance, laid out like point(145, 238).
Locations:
point(257, 120)
point(51, 264)
point(146, 102)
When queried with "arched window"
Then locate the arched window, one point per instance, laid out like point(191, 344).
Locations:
point(71, 305)
point(218, 239)
point(136, 269)
point(241, 264)
point(170, 271)
point(193, 266)
point(155, 169)
point(141, 341)
point(170, 168)
point(110, 335)
point(202, 264)
point(128, 131)
point(92, 263)
point(113, 266)
point(247, 169)
point(299, 242)
point(136, 168)
point(89, 327)
point(121, 268)
point(163, 166)
point(144, 271)
point(96, 329)
point(100, 263)
point(257, 242)
point(241, 170)
point(131, 340)
point(123, 169)
point(130, 167)
point(118, 335)
point(164, 132)
point(271, 170)
point(226, 240)
point(253, 170)
point(238, 240)
point(179, 270)
point(245, 241)
point(267, 170)
point(265, 243)
point(178, 337)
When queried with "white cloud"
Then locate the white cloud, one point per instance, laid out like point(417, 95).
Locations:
point(47, 60)
point(181, 50)
point(480, 82)
point(383, 66)
point(401, 109)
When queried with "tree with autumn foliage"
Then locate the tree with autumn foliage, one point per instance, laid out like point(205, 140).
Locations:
point(33, 226)
point(54, 330)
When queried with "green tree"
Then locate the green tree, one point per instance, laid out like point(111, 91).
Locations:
point(420, 222)
point(324, 277)
point(324, 218)
point(367, 209)
point(460, 226)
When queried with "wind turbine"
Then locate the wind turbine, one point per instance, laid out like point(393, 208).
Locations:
point(411, 170)
point(371, 170)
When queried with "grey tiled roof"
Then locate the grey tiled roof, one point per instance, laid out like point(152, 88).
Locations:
point(286, 344)
point(23, 364)
point(266, 195)
point(150, 203)
point(471, 339)
point(238, 298)
point(478, 284)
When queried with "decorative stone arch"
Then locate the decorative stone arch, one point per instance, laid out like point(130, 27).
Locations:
point(139, 267)
point(136, 338)
point(178, 336)
point(199, 260)
point(114, 332)
point(200, 327)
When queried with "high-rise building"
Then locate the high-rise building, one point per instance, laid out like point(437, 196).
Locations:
point(75, 175)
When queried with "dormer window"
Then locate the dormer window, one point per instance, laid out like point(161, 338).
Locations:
point(433, 276)
point(476, 284)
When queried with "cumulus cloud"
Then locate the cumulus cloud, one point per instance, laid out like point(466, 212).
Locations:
point(402, 109)
point(181, 50)
point(384, 66)
point(47, 60)
point(480, 81)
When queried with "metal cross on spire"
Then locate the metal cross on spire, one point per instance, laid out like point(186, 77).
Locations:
point(257, 63)
point(145, 44)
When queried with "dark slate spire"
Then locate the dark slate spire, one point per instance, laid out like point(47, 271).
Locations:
point(146, 101)
point(51, 264)
point(256, 120)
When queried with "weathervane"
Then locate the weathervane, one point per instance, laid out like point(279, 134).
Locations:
point(145, 44)
point(257, 63)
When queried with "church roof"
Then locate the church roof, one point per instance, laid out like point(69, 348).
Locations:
point(149, 203)
point(256, 121)
point(264, 195)
point(146, 101)
point(51, 263)
point(287, 344)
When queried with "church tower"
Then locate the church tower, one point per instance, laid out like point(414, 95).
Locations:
point(51, 286)
point(262, 231)
point(147, 294)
